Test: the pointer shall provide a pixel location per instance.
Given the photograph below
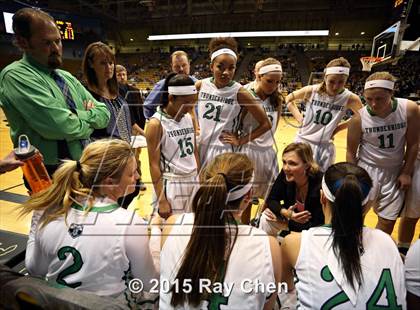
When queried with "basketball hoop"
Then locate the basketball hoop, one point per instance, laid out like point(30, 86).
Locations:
point(368, 62)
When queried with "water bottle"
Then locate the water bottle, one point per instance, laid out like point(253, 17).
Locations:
point(33, 167)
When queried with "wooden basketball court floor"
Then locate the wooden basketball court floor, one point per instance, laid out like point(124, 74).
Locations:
point(13, 192)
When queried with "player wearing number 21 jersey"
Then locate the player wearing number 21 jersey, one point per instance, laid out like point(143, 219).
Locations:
point(220, 102)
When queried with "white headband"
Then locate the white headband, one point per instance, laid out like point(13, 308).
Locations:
point(331, 197)
point(223, 51)
point(380, 83)
point(236, 194)
point(337, 70)
point(270, 68)
point(182, 90)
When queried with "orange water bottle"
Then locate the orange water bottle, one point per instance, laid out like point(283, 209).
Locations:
point(33, 167)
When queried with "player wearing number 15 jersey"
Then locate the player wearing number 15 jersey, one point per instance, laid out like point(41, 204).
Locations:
point(376, 141)
point(343, 265)
point(220, 103)
point(326, 105)
point(173, 155)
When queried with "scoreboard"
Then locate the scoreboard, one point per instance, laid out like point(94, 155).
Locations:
point(64, 26)
point(66, 29)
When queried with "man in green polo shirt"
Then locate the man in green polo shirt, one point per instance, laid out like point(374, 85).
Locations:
point(48, 105)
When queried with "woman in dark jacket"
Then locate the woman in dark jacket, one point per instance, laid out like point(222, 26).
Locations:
point(294, 201)
point(100, 75)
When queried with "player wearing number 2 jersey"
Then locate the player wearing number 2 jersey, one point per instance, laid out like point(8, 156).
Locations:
point(343, 265)
point(220, 103)
point(173, 156)
point(326, 105)
point(80, 237)
point(376, 141)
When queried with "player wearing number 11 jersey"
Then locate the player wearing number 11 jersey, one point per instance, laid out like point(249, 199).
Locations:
point(384, 140)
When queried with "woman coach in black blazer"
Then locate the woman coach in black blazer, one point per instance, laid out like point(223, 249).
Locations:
point(294, 200)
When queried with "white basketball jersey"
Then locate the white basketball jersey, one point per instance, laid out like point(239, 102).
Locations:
point(323, 114)
point(249, 123)
point(218, 111)
point(177, 144)
point(250, 259)
point(86, 251)
point(321, 284)
point(383, 139)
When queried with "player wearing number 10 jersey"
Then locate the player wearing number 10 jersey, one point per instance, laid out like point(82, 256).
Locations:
point(377, 139)
point(326, 105)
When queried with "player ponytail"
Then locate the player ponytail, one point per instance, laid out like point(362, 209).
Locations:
point(215, 230)
point(80, 180)
point(173, 79)
point(350, 186)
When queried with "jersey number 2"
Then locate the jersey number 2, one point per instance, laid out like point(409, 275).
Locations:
point(73, 268)
point(385, 283)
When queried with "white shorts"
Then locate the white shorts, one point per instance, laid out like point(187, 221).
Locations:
point(209, 152)
point(412, 197)
point(179, 193)
point(266, 169)
point(385, 190)
point(324, 153)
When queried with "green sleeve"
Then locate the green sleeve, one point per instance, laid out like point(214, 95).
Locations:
point(47, 115)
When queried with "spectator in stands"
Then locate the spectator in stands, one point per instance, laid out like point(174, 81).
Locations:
point(179, 64)
point(49, 105)
point(135, 104)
